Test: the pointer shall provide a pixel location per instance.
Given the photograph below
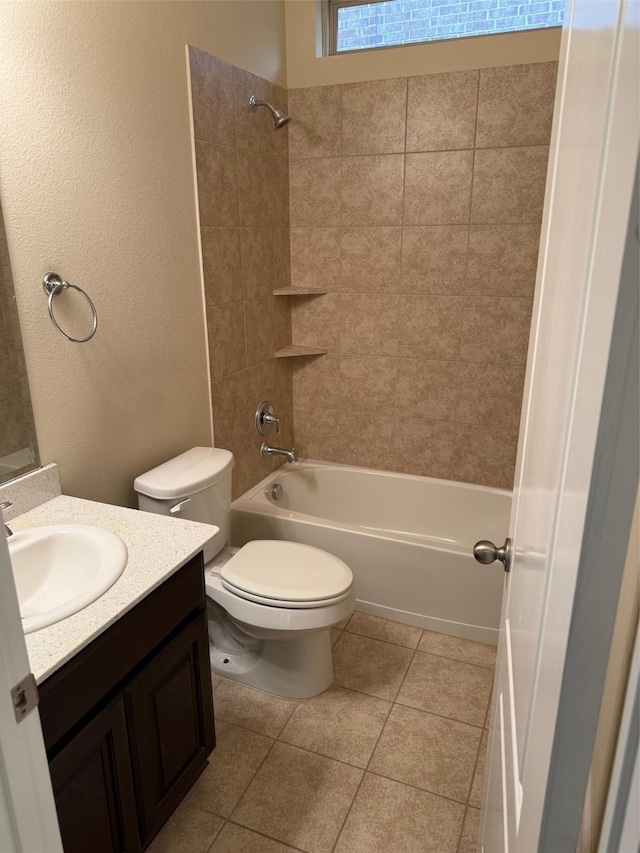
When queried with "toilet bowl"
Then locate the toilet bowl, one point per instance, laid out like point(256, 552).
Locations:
point(270, 604)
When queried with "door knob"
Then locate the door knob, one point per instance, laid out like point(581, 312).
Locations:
point(486, 552)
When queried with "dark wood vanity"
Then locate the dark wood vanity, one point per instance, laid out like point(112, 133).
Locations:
point(128, 722)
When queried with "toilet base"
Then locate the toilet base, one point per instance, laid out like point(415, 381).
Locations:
point(298, 668)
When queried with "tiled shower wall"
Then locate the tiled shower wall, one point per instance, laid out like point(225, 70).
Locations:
point(16, 425)
point(243, 198)
point(417, 204)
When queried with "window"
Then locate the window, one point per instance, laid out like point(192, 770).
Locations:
point(383, 23)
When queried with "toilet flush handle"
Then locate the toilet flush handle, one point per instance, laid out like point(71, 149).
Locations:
point(176, 508)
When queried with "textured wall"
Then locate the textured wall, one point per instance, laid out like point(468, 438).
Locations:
point(417, 203)
point(243, 200)
point(306, 66)
point(96, 177)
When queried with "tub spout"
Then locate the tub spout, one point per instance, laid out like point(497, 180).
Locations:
point(266, 450)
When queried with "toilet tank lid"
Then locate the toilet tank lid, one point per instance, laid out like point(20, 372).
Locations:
point(191, 472)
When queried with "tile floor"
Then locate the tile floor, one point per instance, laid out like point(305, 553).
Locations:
point(390, 759)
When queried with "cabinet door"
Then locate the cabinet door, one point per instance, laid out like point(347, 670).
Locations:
point(170, 713)
point(93, 787)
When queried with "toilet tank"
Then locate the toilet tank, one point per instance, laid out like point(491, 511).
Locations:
point(196, 486)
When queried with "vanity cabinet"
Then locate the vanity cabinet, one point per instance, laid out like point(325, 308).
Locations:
point(128, 722)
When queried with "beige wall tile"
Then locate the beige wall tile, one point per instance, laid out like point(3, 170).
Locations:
point(448, 688)
point(317, 437)
point(422, 447)
point(212, 97)
point(438, 188)
point(503, 260)
point(367, 383)
point(254, 128)
point(314, 187)
point(389, 816)
point(426, 389)
point(338, 723)
point(372, 190)
point(315, 129)
point(431, 326)
point(258, 272)
point(221, 265)
point(369, 324)
point(484, 455)
point(427, 751)
point(374, 116)
point(434, 259)
point(229, 401)
point(481, 386)
point(268, 323)
point(293, 784)
point(515, 105)
point(217, 184)
point(495, 329)
point(508, 185)
point(371, 259)
point(315, 257)
point(227, 342)
point(441, 111)
point(279, 189)
point(315, 321)
point(317, 378)
point(281, 257)
point(255, 188)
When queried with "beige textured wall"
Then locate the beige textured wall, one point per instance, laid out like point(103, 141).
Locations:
point(306, 67)
point(243, 195)
point(96, 181)
point(417, 203)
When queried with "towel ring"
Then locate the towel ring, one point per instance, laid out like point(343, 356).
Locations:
point(52, 285)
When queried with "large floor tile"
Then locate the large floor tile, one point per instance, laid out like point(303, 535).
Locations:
point(340, 724)
point(370, 666)
point(480, 654)
point(232, 765)
point(189, 828)
point(299, 798)
point(237, 839)
point(449, 688)
point(261, 712)
point(478, 780)
point(388, 817)
point(469, 838)
point(384, 629)
point(430, 752)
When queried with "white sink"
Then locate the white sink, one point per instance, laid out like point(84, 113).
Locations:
point(62, 568)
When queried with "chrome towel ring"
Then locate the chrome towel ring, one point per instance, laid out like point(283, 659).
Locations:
point(52, 285)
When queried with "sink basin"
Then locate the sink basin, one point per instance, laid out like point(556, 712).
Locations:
point(62, 568)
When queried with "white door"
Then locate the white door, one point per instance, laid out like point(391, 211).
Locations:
point(577, 468)
point(28, 821)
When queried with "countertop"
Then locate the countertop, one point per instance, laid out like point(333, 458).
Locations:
point(157, 546)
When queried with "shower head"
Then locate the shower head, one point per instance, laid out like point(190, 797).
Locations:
point(279, 118)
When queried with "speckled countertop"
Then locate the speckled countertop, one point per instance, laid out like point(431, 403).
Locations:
point(157, 546)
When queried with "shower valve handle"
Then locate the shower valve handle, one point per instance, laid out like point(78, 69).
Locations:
point(266, 418)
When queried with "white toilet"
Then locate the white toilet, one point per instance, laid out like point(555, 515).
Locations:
point(270, 603)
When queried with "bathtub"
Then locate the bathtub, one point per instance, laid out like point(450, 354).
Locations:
point(408, 540)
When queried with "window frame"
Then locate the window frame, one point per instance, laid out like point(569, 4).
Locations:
point(330, 22)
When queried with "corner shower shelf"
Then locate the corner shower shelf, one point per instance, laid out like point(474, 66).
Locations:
point(295, 351)
point(299, 291)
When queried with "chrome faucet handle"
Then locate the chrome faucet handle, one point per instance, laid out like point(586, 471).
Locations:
point(266, 418)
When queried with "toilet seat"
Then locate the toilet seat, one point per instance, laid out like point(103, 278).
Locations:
point(286, 574)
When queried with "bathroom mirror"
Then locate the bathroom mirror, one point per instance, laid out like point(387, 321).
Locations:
point(18, 446)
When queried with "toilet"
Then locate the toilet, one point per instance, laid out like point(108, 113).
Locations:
point(270, 604)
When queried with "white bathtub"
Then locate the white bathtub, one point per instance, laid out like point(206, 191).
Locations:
point(407, 539)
